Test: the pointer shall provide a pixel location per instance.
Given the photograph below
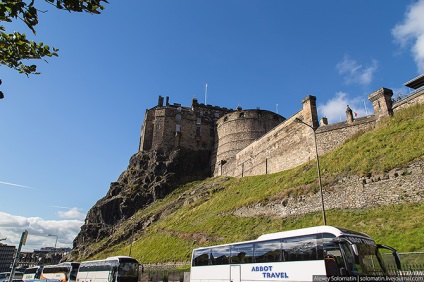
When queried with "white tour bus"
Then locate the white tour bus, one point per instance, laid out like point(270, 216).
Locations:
point(32, 273)
point(62, 272)
point(296, 255)
point(112, 269)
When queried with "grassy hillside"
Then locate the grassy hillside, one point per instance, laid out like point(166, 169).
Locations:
point(198, 213)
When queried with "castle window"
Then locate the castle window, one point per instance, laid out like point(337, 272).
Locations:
point(241, 115)
point(178, 128)
point(225, 119)
point(178, 117)
point(199, 121)
point(216, 115)
point(198, 131)
point(201, 113)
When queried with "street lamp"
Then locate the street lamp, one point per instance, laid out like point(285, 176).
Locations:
point(319, 171)
point(50, 235)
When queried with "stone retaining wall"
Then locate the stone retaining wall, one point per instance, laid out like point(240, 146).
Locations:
point(401, 185)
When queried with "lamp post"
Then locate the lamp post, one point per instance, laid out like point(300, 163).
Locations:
point(318, 168)
point(51, 235)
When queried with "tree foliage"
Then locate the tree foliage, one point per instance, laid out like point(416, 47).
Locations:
point(15, 48)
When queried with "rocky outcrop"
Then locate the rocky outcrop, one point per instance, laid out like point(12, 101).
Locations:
point(150, 176)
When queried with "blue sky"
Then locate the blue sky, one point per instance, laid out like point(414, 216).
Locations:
point(68, 133)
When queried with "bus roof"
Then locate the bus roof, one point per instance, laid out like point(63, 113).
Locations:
point(120, 257)
point(336, 231)
point(115, 258)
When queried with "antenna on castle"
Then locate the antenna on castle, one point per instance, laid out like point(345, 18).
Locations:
point(206, 92)
point(276, 108)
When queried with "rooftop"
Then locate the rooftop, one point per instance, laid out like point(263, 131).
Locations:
point(416, 82)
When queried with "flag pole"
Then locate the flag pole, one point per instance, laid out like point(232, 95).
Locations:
point(206, 92)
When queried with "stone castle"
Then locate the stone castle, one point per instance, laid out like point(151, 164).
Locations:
point(255, 142)
point(181, 144)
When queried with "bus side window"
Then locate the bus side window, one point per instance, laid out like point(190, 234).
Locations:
point(301, 248)
point(268, 251)
point(221, 255)
point(242, 253)
point(200, 258)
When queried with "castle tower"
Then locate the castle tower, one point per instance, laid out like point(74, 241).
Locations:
point(167, 126)
point(237, 130)
point(382, 102)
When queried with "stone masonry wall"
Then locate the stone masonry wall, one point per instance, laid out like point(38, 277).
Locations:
point(291, 144)
point(286, 146)
point(401, 185)
point(332, 136)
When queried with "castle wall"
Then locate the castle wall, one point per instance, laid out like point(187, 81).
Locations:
point(291, 144)
point(286, 146)
point(146, 136)
point(332, 136)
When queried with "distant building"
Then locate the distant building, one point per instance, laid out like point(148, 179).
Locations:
point(44, 256)
point(7, 254)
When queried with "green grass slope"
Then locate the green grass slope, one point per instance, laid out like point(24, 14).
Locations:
point(198, 214)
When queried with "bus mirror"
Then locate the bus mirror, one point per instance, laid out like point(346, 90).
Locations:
point(355, 249)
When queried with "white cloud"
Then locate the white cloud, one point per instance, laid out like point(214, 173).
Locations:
point(353, 72)
point(12, 226)
point(411, 32)
point(72, 213)
point(335, 108)
point(15, 185)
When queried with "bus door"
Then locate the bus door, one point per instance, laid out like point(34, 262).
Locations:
point(235, 273)
point(338, 258)
point(390, 259)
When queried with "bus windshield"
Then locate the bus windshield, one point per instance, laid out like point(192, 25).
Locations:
point(128, 269)
point(368, 260)
point(32, 273)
